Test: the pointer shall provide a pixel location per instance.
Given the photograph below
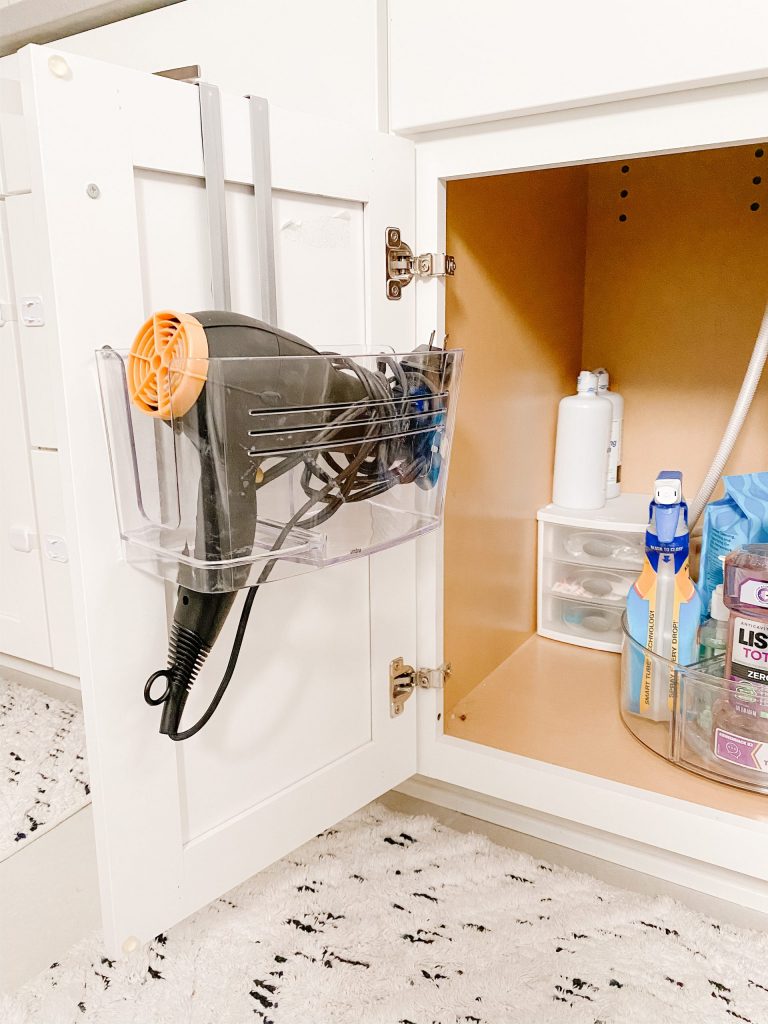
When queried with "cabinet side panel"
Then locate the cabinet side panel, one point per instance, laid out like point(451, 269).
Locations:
point(516, 306)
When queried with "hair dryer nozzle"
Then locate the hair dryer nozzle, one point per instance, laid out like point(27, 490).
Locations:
point(197, 622)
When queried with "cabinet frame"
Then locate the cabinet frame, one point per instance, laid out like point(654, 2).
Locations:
point(729, 849)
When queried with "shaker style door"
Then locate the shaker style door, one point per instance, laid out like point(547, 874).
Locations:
point(304, 735)
point(23, 620)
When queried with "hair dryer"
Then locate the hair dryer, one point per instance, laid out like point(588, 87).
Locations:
point(354, 432)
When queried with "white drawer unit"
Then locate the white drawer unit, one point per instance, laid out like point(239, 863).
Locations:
point(342, 691)
point(587, 561)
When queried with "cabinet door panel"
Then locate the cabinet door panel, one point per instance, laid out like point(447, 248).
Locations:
point(304, 734)
point(46, 474)
point(23, 621)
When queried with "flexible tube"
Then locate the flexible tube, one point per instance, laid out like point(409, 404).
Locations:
point(735, 423)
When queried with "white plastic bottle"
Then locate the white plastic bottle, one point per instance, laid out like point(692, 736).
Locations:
point(581, 450)
point(713, 635)
point(614, 458)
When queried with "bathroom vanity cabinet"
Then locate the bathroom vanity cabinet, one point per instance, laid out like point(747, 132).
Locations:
point(555, 268)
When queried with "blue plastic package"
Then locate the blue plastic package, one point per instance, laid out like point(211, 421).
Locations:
point(738, 518)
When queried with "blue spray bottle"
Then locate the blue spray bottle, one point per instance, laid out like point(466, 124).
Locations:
point(663, 606)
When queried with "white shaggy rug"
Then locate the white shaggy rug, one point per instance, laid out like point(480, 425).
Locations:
point(43, 769)
point(388, 919)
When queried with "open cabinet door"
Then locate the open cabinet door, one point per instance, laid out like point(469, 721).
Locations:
point(304, 735)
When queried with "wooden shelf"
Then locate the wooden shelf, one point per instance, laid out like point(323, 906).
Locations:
point(560, 704)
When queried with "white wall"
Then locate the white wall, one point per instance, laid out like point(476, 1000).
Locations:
point(316, 57)
point(495, 58)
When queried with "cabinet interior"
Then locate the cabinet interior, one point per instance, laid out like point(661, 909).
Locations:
point(656, 268)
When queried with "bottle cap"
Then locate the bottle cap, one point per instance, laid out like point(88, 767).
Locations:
point(587, 383)
point(603, 379)
point(718, 610)
point(668, 488)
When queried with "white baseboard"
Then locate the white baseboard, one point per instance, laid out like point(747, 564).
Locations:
point(656, 864)
point(42, 677)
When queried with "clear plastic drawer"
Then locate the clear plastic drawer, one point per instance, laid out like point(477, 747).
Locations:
point(577, 622)
point(580, 546)
point(594, 584)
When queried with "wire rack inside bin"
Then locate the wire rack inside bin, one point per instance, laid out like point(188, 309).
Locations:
point(292, 461)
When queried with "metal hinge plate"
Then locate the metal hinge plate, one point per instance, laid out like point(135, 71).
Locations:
point(189, 73)
point(403, 266)
point(404, 679)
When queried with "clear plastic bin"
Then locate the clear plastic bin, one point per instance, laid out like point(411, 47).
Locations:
point(695, 726)
point(282, 465)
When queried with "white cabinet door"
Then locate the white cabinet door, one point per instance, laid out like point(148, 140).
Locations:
point(304, 735)
point(23, 622)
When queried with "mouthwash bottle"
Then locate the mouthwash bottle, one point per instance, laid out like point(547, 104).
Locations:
point(740, 721)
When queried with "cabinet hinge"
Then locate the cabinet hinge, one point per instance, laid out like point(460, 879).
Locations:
point(404, 679)
point(190, 73)
point(403, 266)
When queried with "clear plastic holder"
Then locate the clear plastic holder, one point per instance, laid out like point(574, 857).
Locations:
point(282, 464)
point(685, 726)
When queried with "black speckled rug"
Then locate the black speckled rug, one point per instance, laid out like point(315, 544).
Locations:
point(389, 919)
point(43, 767)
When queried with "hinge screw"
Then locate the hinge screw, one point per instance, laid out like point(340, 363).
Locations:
point(93, 190)
point(59, 67)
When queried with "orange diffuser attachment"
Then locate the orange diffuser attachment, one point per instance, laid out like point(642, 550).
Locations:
point(167, 365)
